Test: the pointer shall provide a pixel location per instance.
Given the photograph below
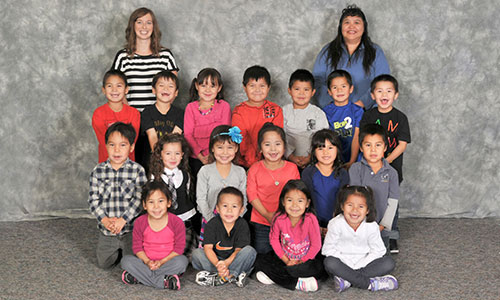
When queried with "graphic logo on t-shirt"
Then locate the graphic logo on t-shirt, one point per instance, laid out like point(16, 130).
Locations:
point(294, 249)
point(344, 128)
point(269, 112)
point(391, 135)
point(163, 127)
point(384, 177)
point(222, 248)
point(311, 124)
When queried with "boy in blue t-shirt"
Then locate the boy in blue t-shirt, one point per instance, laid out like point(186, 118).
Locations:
point(344, 116)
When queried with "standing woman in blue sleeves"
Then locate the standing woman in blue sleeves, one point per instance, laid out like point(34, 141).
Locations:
point(353, 51)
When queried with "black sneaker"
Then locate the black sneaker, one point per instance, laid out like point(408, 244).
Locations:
point(241, 280)
point(172, 282)
point(127, 278)
point(393, 246)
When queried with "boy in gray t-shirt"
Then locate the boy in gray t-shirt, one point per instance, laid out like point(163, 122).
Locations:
point(374, 171)
point(301, 119)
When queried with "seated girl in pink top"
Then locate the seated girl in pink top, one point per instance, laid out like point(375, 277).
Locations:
point(296, 240)
point(265, 180)
point(206, 111)
point(158, 242)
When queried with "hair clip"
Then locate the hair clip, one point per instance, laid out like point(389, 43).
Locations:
point(235, 134)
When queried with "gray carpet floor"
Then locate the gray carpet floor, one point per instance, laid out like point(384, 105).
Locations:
point(439, 259)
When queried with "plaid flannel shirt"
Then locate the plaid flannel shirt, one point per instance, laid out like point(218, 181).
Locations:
point(116, 193)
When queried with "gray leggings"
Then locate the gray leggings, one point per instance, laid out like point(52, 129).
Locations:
point(361, 277)
point(141, 271)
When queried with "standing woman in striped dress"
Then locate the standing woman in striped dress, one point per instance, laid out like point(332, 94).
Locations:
point(141, 59)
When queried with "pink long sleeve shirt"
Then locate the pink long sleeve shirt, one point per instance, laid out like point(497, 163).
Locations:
point(159, 244)
point(198, 125)
point(301, 242)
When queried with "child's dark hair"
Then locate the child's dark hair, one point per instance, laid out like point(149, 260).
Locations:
point(204, 75)
point(268, 126)
point(113, 72)
point(256, 72)
point(372, 129)
point(127, 130)
point(339, 73)
point(301, 75)
point(153, 186)
point(165, 74)
point(230, 190)
point(363, 191)
point(217, 137)
point(318, 141)
point(385, 77)
point(294, 184)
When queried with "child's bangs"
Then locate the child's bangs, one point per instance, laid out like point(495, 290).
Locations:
point(208, 76)
point(223, 138)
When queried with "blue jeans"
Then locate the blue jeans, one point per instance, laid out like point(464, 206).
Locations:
point(243, 262)
point(261, 238)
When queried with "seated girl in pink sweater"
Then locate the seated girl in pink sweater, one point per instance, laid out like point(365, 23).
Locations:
point(296, 240)
point(158, 242)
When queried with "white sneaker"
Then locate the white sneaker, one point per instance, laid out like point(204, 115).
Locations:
point(307, 284)
point(262, 278)
point(383, 283)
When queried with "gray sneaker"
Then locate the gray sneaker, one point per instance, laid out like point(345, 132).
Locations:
point(340, 284)
point(383, 283)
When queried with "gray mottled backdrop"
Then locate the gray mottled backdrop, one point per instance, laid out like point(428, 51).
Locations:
point(445, 55)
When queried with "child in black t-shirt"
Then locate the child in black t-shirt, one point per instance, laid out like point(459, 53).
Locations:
point(226, 255)
point(163, 117)
point(384, 90)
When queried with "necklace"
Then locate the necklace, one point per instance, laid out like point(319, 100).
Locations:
point(206, 112)
point(276, 182)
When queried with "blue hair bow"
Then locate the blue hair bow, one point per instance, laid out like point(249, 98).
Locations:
point(235, 134)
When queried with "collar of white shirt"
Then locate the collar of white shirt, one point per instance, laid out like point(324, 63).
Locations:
point(177, 178)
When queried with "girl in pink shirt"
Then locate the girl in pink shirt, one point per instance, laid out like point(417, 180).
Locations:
point(265, 180)
point(158, 242)
point(206, 111)
point(296, 240)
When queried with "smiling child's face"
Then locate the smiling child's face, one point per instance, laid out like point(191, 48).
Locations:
point(257, 91)
point(384, 94)
point(165, 90)
point(115, 89)
point(301, 92)
point(340, 90)
point(355, 210)
point(118, 148)
point(229, 208)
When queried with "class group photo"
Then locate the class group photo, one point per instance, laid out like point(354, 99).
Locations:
point(250, 150)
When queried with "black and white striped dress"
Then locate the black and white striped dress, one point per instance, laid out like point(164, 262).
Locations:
point(140, 71)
